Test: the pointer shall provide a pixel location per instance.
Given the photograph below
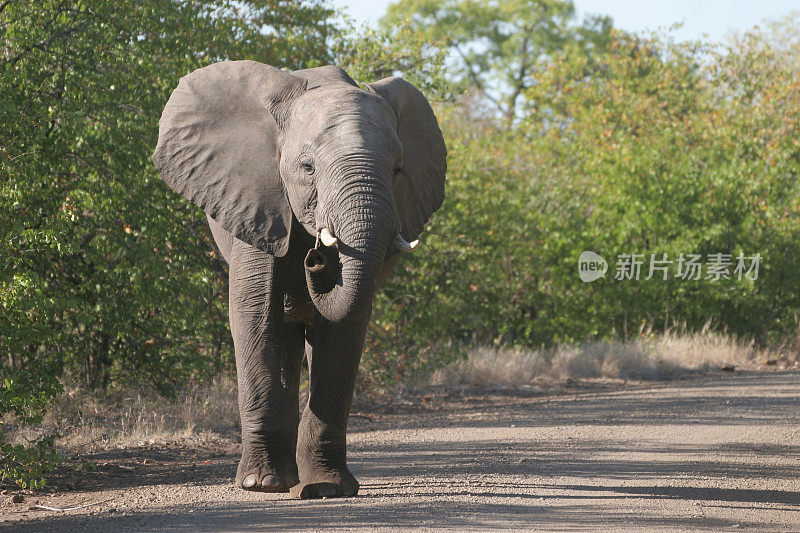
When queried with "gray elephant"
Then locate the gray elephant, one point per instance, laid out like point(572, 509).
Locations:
point(313, 188)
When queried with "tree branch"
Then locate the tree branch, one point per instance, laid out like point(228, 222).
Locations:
point(4, 5)
point(520, 79)
point(42, 45)
point(478, 82)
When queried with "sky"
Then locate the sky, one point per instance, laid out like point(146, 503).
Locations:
point(716, 18)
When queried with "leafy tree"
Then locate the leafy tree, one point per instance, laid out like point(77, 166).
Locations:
point(370, 55)
point(499, 46)
point(96, 252)
point(781, 36)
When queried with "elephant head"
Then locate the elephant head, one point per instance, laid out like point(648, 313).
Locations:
point(255, 146)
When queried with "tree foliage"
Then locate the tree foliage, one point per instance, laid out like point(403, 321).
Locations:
point(497, 47)
point(369, 55)
point(102, 267)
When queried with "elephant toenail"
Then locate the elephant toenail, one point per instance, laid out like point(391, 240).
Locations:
point(249, 482)
point(271, 482)
point(326, 490)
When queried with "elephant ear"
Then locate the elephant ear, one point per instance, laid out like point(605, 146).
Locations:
point(218, 147)
point(419, 190)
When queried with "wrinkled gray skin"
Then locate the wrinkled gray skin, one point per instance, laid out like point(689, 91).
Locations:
point(273, 158)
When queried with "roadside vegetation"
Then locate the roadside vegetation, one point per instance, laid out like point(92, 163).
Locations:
point(564, 135)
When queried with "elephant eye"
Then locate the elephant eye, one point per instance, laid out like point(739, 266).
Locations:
point(396, 171)
point(307, 166)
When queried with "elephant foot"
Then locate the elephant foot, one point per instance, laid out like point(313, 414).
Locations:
point(326, 485)
point(267, 483)
point(261, 477)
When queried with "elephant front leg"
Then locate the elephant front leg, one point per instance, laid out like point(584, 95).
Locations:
point(268, 356)
point(321, 445)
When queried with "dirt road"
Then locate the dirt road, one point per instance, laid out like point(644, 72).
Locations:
point(716, 452)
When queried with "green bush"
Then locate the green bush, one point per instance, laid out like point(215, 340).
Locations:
point(103, 270)
point(24, 398)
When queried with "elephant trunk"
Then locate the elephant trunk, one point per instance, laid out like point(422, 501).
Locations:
point(365, 225)
point(319, 277)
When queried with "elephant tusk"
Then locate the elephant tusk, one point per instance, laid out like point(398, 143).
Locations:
point(327, 237)
point(404, 245)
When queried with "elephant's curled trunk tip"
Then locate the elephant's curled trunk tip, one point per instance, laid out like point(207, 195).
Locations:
point(315, 261)
point(318, 275)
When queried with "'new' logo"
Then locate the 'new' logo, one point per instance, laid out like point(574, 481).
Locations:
point(591, 266)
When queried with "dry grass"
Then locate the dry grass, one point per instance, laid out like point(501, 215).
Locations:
point(140, 417)
point(657, 357)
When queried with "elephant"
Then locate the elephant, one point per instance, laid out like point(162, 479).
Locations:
point(313, 188)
